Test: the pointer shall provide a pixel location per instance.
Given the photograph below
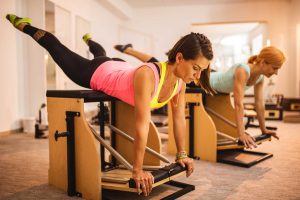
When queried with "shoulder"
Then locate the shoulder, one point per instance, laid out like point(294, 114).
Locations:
point(241, 74)
point(144, 71)
point(243, 67)
point(144, 76)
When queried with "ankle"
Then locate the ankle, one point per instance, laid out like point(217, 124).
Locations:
point(39, 34)
point(21, 26)
point(128, 50)
point(86, 38)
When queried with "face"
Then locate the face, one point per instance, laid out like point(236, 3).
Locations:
point(270, 69)
point(190, 70)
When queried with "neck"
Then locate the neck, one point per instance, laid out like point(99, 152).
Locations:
point(171, 72)
point(255, 70)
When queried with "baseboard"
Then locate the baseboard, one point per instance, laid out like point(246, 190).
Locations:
point(9, 132)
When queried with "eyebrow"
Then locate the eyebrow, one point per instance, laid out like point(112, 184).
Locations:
point(276, 67)
point(198, 66)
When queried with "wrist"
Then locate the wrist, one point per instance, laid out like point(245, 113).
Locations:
point(241, 134)
point(181, 155)
point(263, 130)
point(137, 168)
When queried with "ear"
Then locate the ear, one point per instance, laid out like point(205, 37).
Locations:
point(179, 57)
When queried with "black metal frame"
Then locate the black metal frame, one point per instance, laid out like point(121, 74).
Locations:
point(70, 134)
point(192, 121)
point(186, 188)
point(102, 134)
point(106, 166)
point(263, 157)
point(191, 130)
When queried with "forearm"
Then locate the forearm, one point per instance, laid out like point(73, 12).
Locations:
point(139, 146)
point(239, 115)
point(260, 110)
point(179, 133)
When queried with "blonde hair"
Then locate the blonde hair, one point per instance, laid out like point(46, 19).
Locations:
point(271, 55)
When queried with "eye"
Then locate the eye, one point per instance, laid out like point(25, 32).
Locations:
point(197, 68)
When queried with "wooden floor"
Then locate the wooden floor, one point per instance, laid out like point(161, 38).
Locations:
point(24, 165)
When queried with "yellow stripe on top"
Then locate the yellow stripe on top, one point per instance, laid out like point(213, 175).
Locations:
point(154, 102)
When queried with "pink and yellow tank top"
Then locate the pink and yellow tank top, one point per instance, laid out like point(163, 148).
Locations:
point(115, 78)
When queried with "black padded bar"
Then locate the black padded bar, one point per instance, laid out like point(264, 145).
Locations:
point(162, 173)
point(258, 138)
point(87, 95)
point(195, 90)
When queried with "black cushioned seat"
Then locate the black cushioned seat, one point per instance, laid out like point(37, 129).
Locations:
point(87, 95)
point(195, 90)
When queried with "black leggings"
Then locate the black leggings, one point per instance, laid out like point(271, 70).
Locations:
point(97, 50)
point(77, 68)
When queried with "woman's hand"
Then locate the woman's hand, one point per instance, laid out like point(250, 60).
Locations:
point(188, 163)
point(143, 180)
point(248, 140)
point(272, 133)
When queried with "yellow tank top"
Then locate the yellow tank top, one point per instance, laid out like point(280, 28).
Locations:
point(154, 102)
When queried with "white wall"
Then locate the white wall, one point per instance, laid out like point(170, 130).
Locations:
point(23, 78)
point(295, 42)
point(167, 24)
point(9, 109)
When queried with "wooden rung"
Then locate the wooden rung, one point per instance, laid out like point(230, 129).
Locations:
point(227, 136)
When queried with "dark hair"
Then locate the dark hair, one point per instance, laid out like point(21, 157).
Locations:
point(191, 46)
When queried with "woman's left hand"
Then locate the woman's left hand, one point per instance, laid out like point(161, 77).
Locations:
point(188, 163)
point(272, 133)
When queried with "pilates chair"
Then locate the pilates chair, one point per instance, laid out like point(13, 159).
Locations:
point(76, 151)
point(291, 105)
point(211, 131)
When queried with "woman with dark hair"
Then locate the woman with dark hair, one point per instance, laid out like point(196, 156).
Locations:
point(144, 87)
point(97, 50)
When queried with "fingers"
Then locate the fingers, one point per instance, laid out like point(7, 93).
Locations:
point(189, 163)
point(180, 161)
point(249, 142)
point(275, 136)
point(144, 184)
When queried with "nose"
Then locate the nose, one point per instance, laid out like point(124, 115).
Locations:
point(276, 72)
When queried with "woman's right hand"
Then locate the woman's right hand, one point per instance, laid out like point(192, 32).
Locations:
point(248, 140)
point(143, 180)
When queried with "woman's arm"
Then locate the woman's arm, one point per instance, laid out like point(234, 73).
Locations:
point(179, 126)
point(178, 114)
point(260, 109)
point(240, 81)
point(143, 82)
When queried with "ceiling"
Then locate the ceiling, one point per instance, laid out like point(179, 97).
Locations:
point(219, 31)
point(163, 3)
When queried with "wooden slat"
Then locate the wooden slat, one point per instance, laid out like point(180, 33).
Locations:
point(125, 121)
point(87, 149)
